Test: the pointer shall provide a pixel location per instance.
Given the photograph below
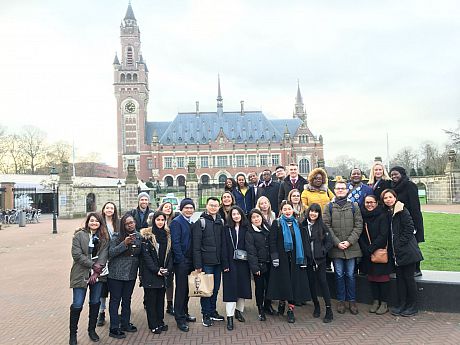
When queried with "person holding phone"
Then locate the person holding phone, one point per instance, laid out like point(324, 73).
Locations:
point(157, 265)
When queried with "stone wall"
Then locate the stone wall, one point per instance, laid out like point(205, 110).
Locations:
point(441, 189)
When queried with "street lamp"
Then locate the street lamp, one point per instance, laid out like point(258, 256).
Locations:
point(119, 196)
point(54, 180)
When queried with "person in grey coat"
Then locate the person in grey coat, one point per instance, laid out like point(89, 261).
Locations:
point(124, 251)
point(89, 253)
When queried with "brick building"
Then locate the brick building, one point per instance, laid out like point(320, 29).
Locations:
point(221, 143)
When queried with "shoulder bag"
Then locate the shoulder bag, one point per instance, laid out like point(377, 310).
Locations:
point(380, 255)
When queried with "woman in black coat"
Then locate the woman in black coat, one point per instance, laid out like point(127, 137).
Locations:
point(288, 277)
point(157, 265)
point(404, 250)
point(236, 276)
point(379, 179)
point(373, 237)
point(257, 247)
point(407, 192)
point(320, 242)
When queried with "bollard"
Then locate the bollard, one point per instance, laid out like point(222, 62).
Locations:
point(22, 219)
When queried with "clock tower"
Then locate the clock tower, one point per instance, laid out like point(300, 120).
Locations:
point(132, 94)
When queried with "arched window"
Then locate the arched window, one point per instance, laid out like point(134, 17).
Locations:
point(135, 77)
point(129, 56)
point(304, 166)
point(169, 181)
point(122, 77)
point(128, 77)
point(205, 179)
point(180, 181)
point(91, 202)
point(222, 179)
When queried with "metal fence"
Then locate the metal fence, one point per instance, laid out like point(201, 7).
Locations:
point(207, 190)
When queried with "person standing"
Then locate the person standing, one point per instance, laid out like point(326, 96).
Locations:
point(357, 190)
point(288, 278)
point(379, 180)
point(404, 250)
point(373, 237)
point(227, 200)
point(253, 181)
point(236, 276)
point(181, 237)
point(142, 211)
point(269, 189)
point(343, 218)
point(294, 198)
point(293, 181)
point(317, 190)
point(407, 192)
point(257, 246)
point(207, 239)
point(320, 242)
point(89, 254)
point(230, 184)
point(280, 174)
point(157, 265)
point(124, 252)
point(243, 194)
point(264, 206)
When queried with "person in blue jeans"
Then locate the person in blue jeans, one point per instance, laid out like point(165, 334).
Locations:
point(207, 235)
point(89, 253)
point(343, 218)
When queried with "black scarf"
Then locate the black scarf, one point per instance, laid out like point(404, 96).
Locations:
point(341, 201)
point(162, 240)
point(370, 215)
point(399, 186)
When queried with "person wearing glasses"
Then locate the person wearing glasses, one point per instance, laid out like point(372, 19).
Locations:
point(343, 218)
point(317, 190)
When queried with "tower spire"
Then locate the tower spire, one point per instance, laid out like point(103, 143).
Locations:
point(299, 111)
point(220, 100)
point(129, 19)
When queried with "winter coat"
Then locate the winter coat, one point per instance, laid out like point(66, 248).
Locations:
point(311, 195)
point(345, 225)
point(246, 202)
point(151, 263)
point(379, 187)
point(359, 193)
point(320, 246)
point(135, 212)
point(223, 215)
point(123, 266)
point(82, 263)
point(181, 238)
point(378, 227)
point(270, 191)
point(407, 193)
point(286, 187)
point(288, 281)
point(403, 245)
point(237, 281)
point(207, 242)
point(258, 249)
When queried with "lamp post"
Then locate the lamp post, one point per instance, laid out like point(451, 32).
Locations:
point(54, 179)
point(119, 196)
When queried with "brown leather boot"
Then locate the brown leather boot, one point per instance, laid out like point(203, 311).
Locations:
point(341, 307)
point(353, 308)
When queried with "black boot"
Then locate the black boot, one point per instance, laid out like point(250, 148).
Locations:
point(92, 320)
point(170, 308)
point(281, 308)
point(261, 313)
point(268, 307)
point(290, 315)
point(239, 316)
point(317, 311)
point(329, 316)
point(73, 324)
point(101, 319)
point(230, 323)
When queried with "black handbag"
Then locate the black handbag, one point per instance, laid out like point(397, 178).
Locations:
point(238, 254)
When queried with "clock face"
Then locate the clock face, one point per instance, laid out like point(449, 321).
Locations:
point(130, 107)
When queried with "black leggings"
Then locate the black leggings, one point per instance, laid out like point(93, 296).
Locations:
point(380, 291)
point(155, 306)
point(405, 282)
point(320, 276)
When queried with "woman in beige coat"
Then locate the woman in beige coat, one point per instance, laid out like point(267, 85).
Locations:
point(89, 253)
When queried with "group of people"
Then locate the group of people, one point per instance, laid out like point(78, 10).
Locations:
point(281, 231)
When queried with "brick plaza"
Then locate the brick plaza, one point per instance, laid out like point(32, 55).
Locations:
point(35, 300)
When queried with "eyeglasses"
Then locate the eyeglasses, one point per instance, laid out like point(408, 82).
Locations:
point(370, 202)
point(341, 188)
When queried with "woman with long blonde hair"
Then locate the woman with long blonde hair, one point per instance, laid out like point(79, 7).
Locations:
point(264, 206)
point(379, 179)
point(299, 208)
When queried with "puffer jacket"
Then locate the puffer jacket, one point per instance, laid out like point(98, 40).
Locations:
point(207, 241)
point(150, 263)
point(344, 225)
point(257, 247)
point(311, 195)
point(404, 247)
point(82, 263)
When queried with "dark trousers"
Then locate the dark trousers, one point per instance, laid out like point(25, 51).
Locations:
point(181, 272)
point(155, 306)
point(380, 291)
point(405, 282)
point(120, 291)
point(319, 275)
point(261, 285)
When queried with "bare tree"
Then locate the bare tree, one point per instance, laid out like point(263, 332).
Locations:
point(34, 145)
point(431, 159)
point(16, 156)
point(344, 164)
point(3, 150)
point(406, 158)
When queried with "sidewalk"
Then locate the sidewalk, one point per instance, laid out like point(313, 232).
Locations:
point(441, 208)
point(35, 299)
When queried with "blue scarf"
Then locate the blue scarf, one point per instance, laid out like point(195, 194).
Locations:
point(287, 236)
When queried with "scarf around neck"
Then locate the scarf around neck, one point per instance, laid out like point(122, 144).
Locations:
point(287, 236)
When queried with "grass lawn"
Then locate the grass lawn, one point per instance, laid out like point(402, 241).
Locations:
point(441, 248)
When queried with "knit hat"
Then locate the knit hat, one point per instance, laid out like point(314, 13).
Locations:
point(399, 169)
point(143, 194)
point(185, 202)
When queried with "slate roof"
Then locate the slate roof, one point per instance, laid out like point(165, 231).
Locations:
point(250, 127)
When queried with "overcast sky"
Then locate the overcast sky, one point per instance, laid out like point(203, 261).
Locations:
point(365, 67)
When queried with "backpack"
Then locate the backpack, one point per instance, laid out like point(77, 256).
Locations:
point(352, 208)
point(203, 223)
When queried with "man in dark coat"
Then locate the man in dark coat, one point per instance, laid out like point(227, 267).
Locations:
point(407, 193)
point(141, 213)
point(181, 242)
point(292, 181)
point(269, 189)
point(207, 235)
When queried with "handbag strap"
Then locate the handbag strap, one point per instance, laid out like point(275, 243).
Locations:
point(367, 232)
point(231, 236)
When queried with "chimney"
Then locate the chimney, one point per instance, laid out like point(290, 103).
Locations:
point(242, 107)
